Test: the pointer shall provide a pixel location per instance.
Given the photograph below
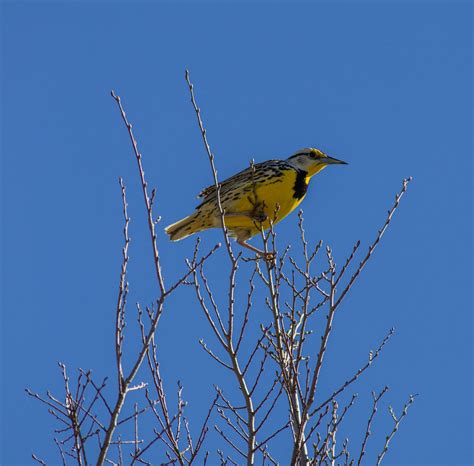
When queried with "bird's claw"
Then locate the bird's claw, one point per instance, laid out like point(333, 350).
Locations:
point(269, 257)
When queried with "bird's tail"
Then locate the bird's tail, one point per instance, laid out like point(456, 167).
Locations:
point(185, 227)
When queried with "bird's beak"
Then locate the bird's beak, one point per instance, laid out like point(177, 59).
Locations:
point(332, 161)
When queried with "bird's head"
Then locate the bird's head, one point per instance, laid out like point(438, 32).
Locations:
point(312, 160)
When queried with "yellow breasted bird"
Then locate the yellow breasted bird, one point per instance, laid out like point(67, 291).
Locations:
point(263, 193)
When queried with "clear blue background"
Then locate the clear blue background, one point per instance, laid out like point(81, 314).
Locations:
point(386, 87)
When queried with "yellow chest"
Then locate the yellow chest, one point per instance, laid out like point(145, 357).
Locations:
point(276, 196)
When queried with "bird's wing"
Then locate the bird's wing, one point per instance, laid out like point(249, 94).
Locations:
point(237, 178)
point(241, 178)
point(244, 180)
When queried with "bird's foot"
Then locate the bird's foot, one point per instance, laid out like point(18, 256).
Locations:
point(269, 257)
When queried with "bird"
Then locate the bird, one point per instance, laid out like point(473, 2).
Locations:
point(255, 198)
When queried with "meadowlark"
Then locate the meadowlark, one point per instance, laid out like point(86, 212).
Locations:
point(262, 194)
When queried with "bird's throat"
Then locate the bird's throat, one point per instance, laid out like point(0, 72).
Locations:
point(313, 170)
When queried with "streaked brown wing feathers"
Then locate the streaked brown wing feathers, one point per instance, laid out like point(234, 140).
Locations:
point(243, 178)
point(238, 177)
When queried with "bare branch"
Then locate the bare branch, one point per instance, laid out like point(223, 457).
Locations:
point(232, 444)
point(397, 422)
point(372, 247)
point(372, 357)
point(123, 287)
point(210, 155)
point(376, 399)
point(39, 460)
point(210, 353)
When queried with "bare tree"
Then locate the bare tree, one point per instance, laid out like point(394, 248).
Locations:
point(301, 297)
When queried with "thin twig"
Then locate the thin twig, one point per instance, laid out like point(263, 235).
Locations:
point(376, 399)
point(397, 422)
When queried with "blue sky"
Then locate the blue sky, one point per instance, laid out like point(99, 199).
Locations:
point(386, 87)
